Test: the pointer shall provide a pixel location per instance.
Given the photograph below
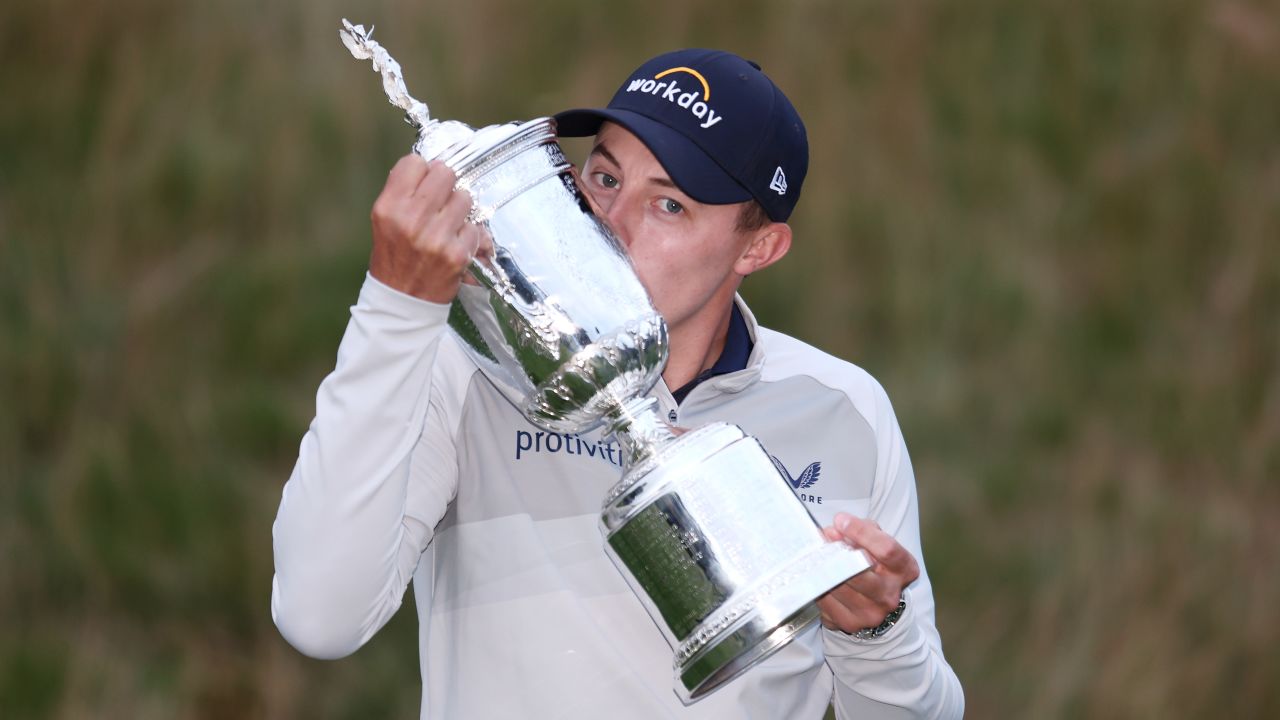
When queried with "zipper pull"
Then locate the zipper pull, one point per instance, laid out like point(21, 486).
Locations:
point(672, 415)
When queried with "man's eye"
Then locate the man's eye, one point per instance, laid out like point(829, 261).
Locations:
point(607, 180)
point(671, 206)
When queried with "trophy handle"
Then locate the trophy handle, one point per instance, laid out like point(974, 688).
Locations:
point(479, 266)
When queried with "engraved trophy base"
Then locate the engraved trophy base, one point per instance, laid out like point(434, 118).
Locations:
point(719, 550)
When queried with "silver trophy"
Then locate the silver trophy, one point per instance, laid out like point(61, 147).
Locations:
point(708, 534)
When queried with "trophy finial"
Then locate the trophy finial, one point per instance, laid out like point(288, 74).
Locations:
point(356, 39)
point(363, 47)
point(433, 136)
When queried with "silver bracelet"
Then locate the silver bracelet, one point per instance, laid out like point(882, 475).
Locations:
point(890, 620)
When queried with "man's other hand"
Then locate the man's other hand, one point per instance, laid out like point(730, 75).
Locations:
point(866, 599)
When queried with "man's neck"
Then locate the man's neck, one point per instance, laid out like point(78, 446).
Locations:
point(695, 346)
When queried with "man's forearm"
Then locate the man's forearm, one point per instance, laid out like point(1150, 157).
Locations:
point(341, 524)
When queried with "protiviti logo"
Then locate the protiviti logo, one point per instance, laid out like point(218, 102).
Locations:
point(671, 91)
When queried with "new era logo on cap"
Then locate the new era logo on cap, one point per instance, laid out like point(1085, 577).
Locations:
point(720, 127)
point(779, 182)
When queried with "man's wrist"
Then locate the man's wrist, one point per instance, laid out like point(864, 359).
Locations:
point(406, 304)
point(878, 631)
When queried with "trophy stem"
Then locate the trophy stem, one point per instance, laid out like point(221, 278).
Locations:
point(640, 429)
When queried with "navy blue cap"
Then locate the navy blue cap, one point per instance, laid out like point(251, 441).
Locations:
point(720, 127)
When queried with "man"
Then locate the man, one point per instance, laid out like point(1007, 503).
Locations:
point(416, 467)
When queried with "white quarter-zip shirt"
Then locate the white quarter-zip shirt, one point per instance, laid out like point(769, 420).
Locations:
point(417, 469)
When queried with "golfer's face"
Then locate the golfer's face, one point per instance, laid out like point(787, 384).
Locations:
point(683, 250)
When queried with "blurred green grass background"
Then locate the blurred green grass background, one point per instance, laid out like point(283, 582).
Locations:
point(1052, 230)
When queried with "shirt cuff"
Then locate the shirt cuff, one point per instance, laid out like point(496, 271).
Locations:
point(380, 296)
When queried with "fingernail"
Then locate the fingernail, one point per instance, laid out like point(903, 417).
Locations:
point(842, 522)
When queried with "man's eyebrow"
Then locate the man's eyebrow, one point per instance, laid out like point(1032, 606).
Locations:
point(603, 151)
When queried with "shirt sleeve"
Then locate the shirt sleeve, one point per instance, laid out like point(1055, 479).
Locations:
point(903, 673)
point(376, 471)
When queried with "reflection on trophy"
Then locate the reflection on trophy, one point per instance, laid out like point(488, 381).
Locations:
point(708, 534)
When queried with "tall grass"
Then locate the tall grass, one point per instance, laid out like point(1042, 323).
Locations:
point(1051, 229)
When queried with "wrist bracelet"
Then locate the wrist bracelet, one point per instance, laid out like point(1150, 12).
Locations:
point(890, 620)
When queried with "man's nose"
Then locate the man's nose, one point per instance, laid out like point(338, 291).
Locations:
point(599, 210)
point(616, 220)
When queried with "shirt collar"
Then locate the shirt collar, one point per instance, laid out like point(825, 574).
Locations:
point(734, 356)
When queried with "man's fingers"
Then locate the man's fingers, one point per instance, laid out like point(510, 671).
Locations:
point(405, 175)
point(867, 535)
point(446, 235)
point(394, 209)
point(836, 614)
point(847, 609)
point(452, 219)
point(484, 241)
point(871, 586)
point(421, 244)
point(478, 238)
point(864, 599)
point(435, 184)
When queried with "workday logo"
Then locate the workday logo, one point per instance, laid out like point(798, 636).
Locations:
point(808, 478)
point(666, 85)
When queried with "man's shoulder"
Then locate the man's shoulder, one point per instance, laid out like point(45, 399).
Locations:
point(787, 357)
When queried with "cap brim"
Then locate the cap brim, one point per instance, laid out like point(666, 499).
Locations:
point(691, 169)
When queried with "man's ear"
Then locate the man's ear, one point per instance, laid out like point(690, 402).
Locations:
point(766, 247)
